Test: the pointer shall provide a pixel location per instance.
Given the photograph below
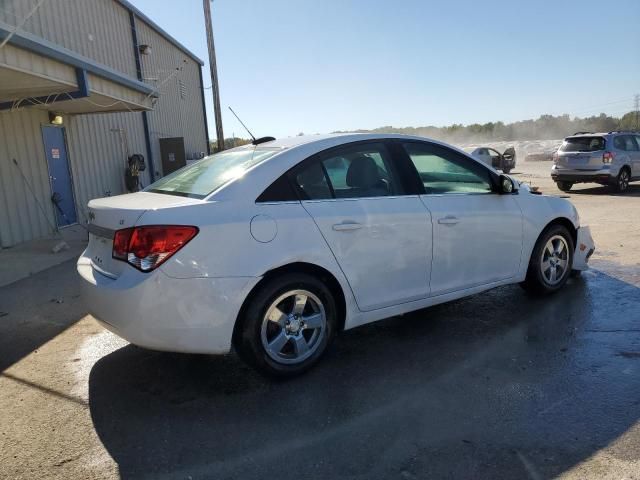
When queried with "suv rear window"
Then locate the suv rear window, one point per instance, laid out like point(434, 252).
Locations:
point(582, 144)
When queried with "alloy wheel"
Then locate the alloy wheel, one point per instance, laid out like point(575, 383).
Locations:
point(555, 260)
point(293, 327)
point(623, 180)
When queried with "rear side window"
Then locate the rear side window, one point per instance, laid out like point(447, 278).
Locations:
point(354, 171)
point(625, 142)
point(312, 182)
point(583, 144)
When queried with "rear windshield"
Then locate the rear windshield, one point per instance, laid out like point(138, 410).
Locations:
point(203, 177)
point(582, 144)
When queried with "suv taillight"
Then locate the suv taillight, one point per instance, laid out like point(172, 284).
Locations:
point(148, 247)
point(607, 157)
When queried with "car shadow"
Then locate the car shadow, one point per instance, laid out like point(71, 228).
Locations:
point(29, 318)
point(499, 385)
point(633, 190)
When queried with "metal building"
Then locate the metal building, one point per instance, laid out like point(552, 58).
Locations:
point(84, 85)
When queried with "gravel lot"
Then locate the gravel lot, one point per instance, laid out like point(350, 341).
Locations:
point(498, 385)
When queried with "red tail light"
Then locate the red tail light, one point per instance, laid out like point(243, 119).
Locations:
point(608, 157)
point(148, 247)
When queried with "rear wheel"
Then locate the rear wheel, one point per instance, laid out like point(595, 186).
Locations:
point(287, 325)
point(551, 261)
point(564, 186)
point(621, 182)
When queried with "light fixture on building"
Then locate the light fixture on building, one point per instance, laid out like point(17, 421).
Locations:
point(55, 119)
point(144, 49)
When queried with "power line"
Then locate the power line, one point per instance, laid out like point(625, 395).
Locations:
point(19, 25)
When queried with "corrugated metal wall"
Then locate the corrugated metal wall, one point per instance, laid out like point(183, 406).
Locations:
point(20, 217)
point(178, 111)
point(96, 147)
point(98, 29)
point(97, 151)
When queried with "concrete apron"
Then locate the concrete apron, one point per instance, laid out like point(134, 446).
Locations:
point(32, 257)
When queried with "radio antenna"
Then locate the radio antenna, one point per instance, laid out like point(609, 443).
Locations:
point(245, 127)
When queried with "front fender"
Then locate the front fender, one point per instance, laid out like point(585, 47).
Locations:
point(538, 212)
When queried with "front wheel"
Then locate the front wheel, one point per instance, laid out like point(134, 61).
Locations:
point(551, 261)
point(287, 325)
point(564, 186)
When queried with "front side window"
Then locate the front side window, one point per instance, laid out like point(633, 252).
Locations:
point(203, 177)
point(357, 171)
point(444, 171)
point(618, 143)
point(630, 143)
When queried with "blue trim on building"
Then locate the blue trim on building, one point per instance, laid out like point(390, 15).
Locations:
point(56, 52)
point(82, 92)
point(158, 29)
point(204, 113)
point(145, 119)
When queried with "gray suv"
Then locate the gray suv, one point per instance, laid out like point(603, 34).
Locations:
point(611, 158)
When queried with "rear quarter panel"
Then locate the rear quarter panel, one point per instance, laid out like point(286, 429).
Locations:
point(235, 240)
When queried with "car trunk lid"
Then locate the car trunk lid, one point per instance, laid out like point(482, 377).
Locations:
point(107, 215)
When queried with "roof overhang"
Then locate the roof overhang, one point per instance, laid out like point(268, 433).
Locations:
point(37, 73)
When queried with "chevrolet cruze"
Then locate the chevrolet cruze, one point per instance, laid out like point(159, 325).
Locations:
point(274, 247)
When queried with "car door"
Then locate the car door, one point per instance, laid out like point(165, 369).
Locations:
point(635, 167)
point(379, 234)
point(477, 233)
point(483, 155)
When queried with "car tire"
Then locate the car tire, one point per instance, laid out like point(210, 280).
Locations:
point(549, 265)
point(273, 336)
point(621, 182)
point(506, 171)
point(564, 186)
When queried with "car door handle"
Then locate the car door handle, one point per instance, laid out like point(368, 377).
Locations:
point(347, 226)
point(448, 220)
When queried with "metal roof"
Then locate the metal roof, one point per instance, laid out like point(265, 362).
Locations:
point(137, 12)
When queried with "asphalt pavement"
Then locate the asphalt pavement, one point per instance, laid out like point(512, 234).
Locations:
point(498, 385)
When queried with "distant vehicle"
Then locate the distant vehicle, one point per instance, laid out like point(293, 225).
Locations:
point(611, 158)
point(541, 155)
point(505, 161)
point(274, 248)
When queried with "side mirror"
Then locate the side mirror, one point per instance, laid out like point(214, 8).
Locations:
point(508, 184)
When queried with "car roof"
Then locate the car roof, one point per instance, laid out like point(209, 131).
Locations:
point(290, 142)
point(292, 150)
point(603, 134)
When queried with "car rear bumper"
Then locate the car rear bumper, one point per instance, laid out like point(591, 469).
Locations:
point(155, 311)
point(603, 175)
point(584, 249)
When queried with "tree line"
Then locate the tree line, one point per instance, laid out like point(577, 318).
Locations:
point(546, 127)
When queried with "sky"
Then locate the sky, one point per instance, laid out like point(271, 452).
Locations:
point(317, 66)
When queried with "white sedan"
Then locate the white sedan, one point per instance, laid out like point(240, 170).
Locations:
point(273, 248)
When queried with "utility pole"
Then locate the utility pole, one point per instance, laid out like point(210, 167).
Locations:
point(637, 107)
point(214, 74)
